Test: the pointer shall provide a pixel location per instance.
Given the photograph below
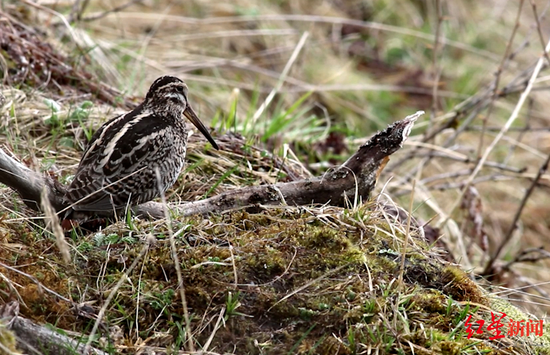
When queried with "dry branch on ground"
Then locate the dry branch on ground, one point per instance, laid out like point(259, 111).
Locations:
point(353, 180)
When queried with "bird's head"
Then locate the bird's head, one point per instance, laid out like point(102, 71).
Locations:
point(170, 93)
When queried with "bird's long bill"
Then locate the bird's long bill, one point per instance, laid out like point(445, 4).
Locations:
point(192, 116)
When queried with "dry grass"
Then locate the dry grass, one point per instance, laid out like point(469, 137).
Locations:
point(360, 67)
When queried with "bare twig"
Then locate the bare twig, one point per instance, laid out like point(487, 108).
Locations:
point(495, 84)
point(513, 226)
point(529, 255)
point(445, 176)
point(522, 133)
point(77, 10)
point(474, 105)
point(108, 12)
point(467, 160)
point(503, 131)
point(460, 184)
point(512, 129)
point(539, 30)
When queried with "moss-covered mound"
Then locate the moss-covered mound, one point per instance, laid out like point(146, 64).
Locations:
point(278, 281)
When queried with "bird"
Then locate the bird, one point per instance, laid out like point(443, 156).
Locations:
point(135, 157)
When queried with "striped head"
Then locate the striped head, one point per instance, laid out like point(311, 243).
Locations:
point(170, 93)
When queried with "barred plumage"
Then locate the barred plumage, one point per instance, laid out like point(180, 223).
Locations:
point(118, 169)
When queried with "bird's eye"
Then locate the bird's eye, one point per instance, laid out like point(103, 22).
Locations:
point(179, 88)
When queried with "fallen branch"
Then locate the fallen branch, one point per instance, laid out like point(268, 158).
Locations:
point(36, 339)
point(29, 184)
point(352, 181)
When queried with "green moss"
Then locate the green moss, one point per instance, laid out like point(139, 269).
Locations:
point(456, 283)
point(8, 341)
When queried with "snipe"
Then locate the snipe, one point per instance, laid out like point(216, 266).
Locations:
point(119, 167)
